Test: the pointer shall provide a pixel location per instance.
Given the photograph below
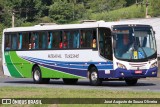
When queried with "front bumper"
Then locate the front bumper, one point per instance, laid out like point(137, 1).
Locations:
point(152, 72)
point(123, 73)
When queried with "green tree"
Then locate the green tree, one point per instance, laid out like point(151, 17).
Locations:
point(5, 13)
point(117, 4)
point(42, 7)
point(78, 9)
point(106, 5)
point(61, 11)
point(131, 2)
point(155, 4)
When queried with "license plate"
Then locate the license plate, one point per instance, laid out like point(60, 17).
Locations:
point(138, 72)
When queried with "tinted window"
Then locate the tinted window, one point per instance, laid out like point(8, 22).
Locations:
point(11, 41)
point(7, 42)
point(71, 39)
point(42, 40)
point(88, 38)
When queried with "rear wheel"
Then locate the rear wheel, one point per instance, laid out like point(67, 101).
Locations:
point(70, 81)
point(37, 76)
point(94, 78)
point(131, 82)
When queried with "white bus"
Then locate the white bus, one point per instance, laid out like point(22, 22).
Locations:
point(99, 51)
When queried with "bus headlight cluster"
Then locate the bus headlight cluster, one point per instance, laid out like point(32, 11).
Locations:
point(154, 65)
point(121, 65)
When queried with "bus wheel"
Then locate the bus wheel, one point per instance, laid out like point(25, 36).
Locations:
point(70, 81)
point(37, 76)
point(93, 77)
point(131, 82)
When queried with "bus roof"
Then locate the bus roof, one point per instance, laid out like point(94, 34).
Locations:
point(68, 26)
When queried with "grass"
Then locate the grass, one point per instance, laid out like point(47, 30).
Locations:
point(122, 13)
point(29, 92)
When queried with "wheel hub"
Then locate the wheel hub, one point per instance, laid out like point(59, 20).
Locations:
point(36, 75)
point(94, 76)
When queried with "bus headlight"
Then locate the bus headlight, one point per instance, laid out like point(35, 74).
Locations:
point(154, 65)
point(121, 65)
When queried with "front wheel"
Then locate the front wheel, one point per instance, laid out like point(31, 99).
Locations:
point(131, 82)
point(37, 76)
point(94, 78)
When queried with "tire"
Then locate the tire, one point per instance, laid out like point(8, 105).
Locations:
point(131, 82)
point(37, 76)
point(70, 81)
point(94, 78)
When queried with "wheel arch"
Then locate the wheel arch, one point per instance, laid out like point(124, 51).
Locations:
point(34, 67)
point(89, 67)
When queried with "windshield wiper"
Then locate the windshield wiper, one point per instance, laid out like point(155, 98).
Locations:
point(132, 50)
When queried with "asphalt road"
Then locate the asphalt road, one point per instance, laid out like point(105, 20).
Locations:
point(142, 85)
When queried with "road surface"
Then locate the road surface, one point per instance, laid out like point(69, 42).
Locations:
point(142, 85)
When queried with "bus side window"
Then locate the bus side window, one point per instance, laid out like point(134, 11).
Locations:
point(76, 39)
point(50, 40)
point(83, 39)
point(65, 42)
point(60, 41)
point(70, 39)
point(30, 41)
point(56, 39)
point(88, 38)
point(14, 41)
point(94, 38)
point(34, 41)
point(20, 41)
point(42, 40)
point(7, 42)
point(25, 41)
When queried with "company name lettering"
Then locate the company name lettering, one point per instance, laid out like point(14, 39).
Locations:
point(63, 56)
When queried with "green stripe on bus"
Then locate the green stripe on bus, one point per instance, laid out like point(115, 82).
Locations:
point(13, 71)
point(49, 73)
point(25, 68)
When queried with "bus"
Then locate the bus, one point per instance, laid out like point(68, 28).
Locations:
point(98, 51)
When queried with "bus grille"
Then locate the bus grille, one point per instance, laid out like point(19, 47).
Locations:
point(140, 65)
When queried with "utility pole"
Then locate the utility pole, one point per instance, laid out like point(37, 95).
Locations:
point(147, 3)
point(13, 18)
point(136, 3)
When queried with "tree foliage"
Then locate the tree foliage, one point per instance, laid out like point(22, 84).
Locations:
point(66, 11)
point(61, 11)
point(155, 4)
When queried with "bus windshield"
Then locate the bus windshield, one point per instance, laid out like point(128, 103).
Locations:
point(134, 43)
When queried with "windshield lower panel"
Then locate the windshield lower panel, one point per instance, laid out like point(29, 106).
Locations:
point(134, 43)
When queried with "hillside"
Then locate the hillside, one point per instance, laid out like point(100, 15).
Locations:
point(31, 12)
point(122, 13)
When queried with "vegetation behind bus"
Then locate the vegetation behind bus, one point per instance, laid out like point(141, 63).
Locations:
point(32, 12)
